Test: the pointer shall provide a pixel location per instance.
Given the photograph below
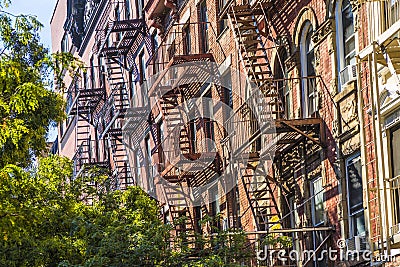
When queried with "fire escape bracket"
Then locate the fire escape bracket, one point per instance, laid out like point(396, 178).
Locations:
point(316, 141)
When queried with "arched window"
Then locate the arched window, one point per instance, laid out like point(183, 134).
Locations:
point(309, 88)
point(281, 75)
point(345, 40)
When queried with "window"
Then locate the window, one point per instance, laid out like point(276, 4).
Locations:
point(142, 67)
point(132, 88)
point(223, 21)
point(186, 39)
point(204, 27)
point(154, 46)
point(139, 10)
point(309, 93)
point(355, 196)
point(92, 73)
point(395, 170)
point(226, 81)
point(65, 43)
point(198, 216)
point(215, 207)
point(127, 9)
point(193, 136)
point(160, 140)
point(281, 75)
point(317, 214)
point(208, 113)
point(138, 172)
point(150, 174)
point(102, 73)
point(346, 36)
point(86, 80)
point(317, 203)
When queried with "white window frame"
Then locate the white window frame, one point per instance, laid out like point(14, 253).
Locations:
point(341, 57)
point(304, 72)
point(317, 224)
point(313, 195)
point(149, 166)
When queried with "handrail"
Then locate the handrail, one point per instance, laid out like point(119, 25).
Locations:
point(179, 34)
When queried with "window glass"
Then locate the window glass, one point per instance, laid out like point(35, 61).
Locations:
point(318, 201)
point(348, 33)
point(354, 184)
point(395, 148)
point(187, 40)
point(395, 161)
point(204, 27)
point(138, 170)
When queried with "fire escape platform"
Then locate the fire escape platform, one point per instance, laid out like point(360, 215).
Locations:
point(86, 100)
point(190, 164)
point(185, 75)
point(131, 30)
point(291, 132)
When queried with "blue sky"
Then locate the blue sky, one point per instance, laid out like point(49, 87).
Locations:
point(43, 9)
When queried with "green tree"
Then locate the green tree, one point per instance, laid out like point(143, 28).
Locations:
point(27, 106)
point(44, 221)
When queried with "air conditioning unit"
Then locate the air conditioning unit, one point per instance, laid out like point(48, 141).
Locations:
point(357, 243)
point(348, 74)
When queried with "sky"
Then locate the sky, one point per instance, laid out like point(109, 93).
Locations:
point(43, 9)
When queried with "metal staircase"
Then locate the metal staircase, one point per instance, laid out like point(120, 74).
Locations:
point(260, 192)
point(253, 53)
point(182, 218)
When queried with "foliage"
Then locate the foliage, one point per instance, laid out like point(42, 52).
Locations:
point(44, 222)
point(27, 105)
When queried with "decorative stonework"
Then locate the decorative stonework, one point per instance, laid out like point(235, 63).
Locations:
point(293, 61)
point(283, 41)
point(315, 173)
point(350, 146)
point(317, 56)
point(323, 31)
point(348, 111)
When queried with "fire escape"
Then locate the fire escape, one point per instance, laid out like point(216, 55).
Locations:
point(118, 44)
point(83, 99)
point(182, 147)
point(265, 189)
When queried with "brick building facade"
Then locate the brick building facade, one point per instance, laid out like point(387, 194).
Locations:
point(322, 166)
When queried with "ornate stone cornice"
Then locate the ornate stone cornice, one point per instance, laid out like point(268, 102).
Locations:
point(323, 31)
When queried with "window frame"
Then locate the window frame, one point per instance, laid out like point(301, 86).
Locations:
point(395, 180)
point(357, 211)
point(340, 40)
point(308, 89)
point(313, 204)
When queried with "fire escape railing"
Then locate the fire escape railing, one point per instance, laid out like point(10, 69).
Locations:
point(185, 42)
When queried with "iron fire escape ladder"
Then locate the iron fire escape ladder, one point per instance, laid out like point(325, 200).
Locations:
point(253, 53)
point(257, 67)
